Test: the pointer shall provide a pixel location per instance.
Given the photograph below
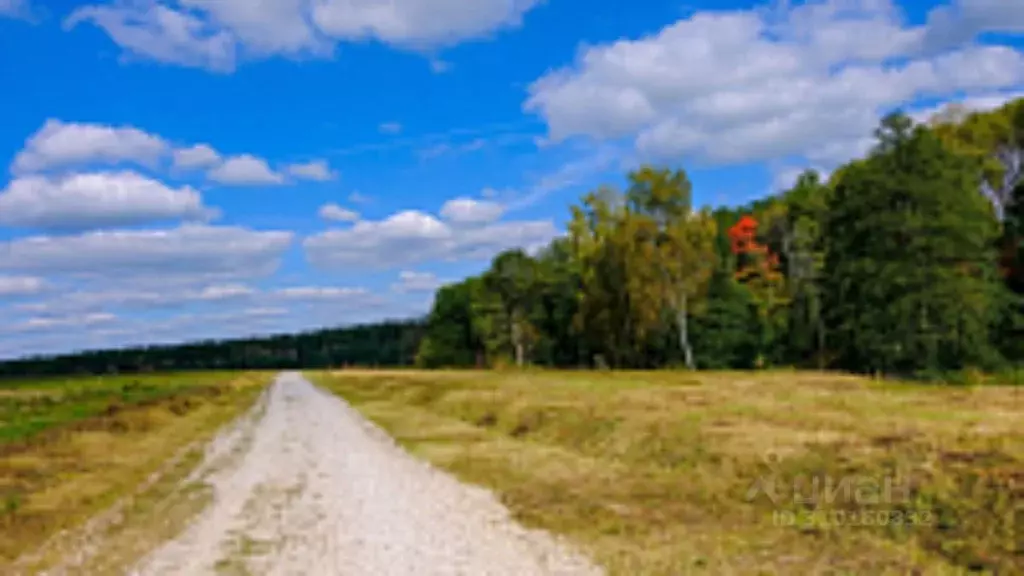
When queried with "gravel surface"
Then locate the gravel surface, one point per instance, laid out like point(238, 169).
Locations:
point(314, 488)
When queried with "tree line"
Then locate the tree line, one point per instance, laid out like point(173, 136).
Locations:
point(907, 261)
point(390, 343)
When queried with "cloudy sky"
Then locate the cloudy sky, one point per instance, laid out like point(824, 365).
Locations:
point(182, 169)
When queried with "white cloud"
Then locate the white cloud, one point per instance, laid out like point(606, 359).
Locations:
point(413, 237)
point(59, 144)
point(317, 170)
point(114, 295)
point(417, 23)
point(962, 20)
point(390, 128)
point(190, 250)
point(50, 323)
point(753, 85)
point(198, 156)
point(410, 281)
point(81, 201)
point(245, 169)
point(209, 33)
point(334, 212)
point(321, 293)
point(470, 211)
point(263, 312)
point(153, 31)
point(264, 28)
point(21, 286)
point(225, 292)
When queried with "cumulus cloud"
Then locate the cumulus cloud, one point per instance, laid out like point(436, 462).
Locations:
point(390, 128)
point(60, 144)
point(469, 211)
point(210, 33)
point(317, 170)
point(153, 31)
point(419, 23)
point(263, 28)
point(244, 170)
point(82, 201)
point(11, 286)
point(413, 237)
point(337, 213)
point(753, 85)
point(194, 157)
point(193, 250)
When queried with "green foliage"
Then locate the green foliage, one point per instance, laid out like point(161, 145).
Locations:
point(450, 338)
point(723, 338)
point(910, 269)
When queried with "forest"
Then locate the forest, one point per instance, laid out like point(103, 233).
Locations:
point(908, 261)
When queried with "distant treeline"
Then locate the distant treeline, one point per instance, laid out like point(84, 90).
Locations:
point(391, 343)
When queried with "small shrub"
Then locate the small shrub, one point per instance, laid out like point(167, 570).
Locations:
point(12, 502)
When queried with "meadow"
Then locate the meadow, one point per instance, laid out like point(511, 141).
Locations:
point(657, 473)
point(651, 473)
point(72, 447)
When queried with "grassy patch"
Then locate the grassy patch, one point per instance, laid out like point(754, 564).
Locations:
point(94, 441)
point(652, 472)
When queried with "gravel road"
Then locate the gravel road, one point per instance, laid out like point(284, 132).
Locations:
point(307, 486)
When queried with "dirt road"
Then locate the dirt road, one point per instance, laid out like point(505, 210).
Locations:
point(309, 487)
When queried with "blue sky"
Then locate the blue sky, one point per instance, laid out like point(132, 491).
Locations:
point(182, 169)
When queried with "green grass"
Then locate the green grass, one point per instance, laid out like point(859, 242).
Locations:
point(30, 407)
point(650, 472)
point(69, 448)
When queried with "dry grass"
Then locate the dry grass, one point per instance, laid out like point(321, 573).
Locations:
point(92, 443)
point(650, 471)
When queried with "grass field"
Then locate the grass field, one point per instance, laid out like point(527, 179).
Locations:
point(72, 447)
point(652, 473)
